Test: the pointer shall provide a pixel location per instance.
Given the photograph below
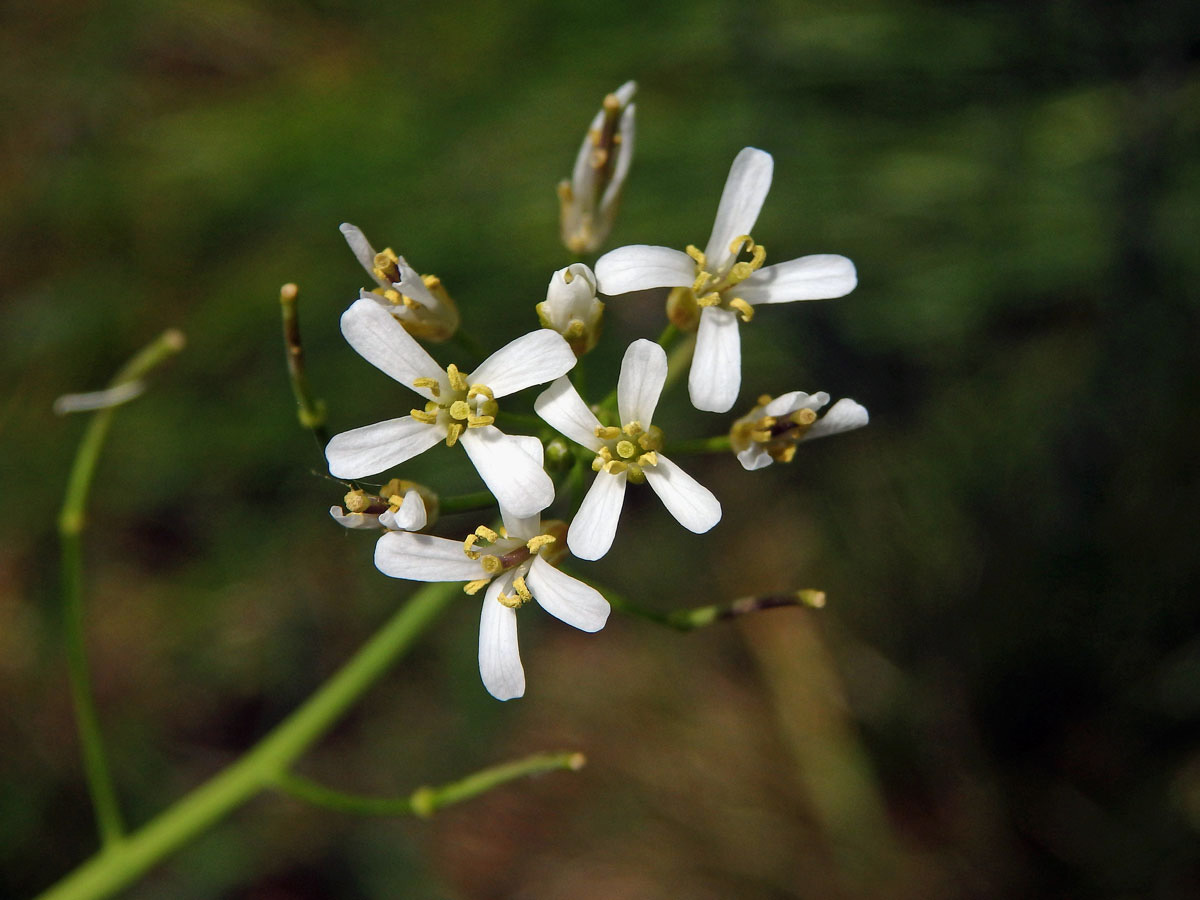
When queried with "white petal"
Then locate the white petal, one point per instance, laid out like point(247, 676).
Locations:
point(567, 598)
point(822, 276)
point(612, 193)
point(373, 448)
point(745, 190)
point(499, 656)
point(361, 247)
point(519, 484)
point(564, 410)
point(583, 176)
point(716, 373)
point(595, 525)
point(422, 557)
point(844, 415)
point(383, 342)
point(626, 91)
point(355, 520)
point(794, 400)
point(754, 457)
point(533, 358)
point(643, 374)
point(411, 516)
point(690, 502)
point(525, 527)
point(641, 266)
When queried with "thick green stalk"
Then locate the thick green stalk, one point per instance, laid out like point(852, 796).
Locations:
point(71, 521)
point(121, 863)
point(425, 801)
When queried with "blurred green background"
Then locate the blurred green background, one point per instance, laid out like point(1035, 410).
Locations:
point(1002, 697)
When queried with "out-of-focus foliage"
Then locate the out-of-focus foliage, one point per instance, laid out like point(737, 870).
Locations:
point(1002, 697)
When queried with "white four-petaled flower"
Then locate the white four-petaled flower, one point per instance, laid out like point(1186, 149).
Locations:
point(514, 568)
point(726, 288)
point(770, 431)
point(626, 453)
point(459, 407)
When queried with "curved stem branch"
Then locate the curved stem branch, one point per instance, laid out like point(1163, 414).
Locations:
point(71, 522)
point(425, 801)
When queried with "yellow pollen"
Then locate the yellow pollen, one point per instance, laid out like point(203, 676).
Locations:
point(479, 421)
point(597, 464)
point(430, 383)
point(744, 310)
point(425, 418)
point(486, 534)
point(764, 399)
point(480, 390)
point(522, 590)
point(394, 296)
point(648, 459)
point(510, 602)
point(537, 543)
point(786, 454)
point(761, 436)
point(697, 254)
point(395, 501)
point(736, 245)
point(626, 449)
point(710, 299)
point(356, 501)
point(633, 429)
point(469, 546)
point(652, 439)
point(453, 430)
point(458, 380)
point(615, 467)
point(431, 281)
point(473, 587)
point(460, 409)
point(607, 433)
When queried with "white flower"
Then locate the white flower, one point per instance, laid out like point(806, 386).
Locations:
point(515, 566)
point(419, 302)
point(628, 453)
point(589, 200)
point(769, 432)
point(571, 307)
point(399, 506)
point(459, 408)
point(725, 288)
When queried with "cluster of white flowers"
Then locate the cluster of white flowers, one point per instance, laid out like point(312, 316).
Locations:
point(713, 292)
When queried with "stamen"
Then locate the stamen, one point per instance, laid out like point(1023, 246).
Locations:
point(535, 544)
point(453, 430)
point(607, 432)
point(652, 439)
point(598, 464)
point(648, 459)
point(510, 602)
point(469, 546)
point(458, 380)
point(478, 390)
point(487, 534)
point(473, 587)
point(522, 590)
point(764, 399)
point(356, 501)
point(735, 247)
point(697, 254)
point(479, 421)
point(633, 429)
point(615, 467)
point(425, 418)
point(744, 310)
point(431, 383)
point(711, 299)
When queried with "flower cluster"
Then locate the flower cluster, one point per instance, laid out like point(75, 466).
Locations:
point(517, 557)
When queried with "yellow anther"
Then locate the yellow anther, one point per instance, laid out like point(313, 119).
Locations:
point(739, 272)
point(803, 417)
point(537, 543)
point(393, 296)
point(469, 546)
point(479, 421)
point(460, 409)
point(612, 103)
point(710, 299)
point(598, 464)
point(458, 380)
point(486, 534)
point(633, 429)
point(425, 418)
point(697, 254)
point(431, 383)
point(626, 449)
point(473, 587)
point(522, 589)
point(615, 467)
point(480, 390)
point(785, 454)
point(491, 564)
point(431, 282)
point(742, 241)
point(758, 255)
point(356, 501)
point(761, 436)
point(763, 400)
point(648, 459)
point(409, 302)
point(607, 432)
point(651, 439)
point(503, 531)
point(511, 602)
point(604, 453)
point(453, 430)
point(395, 501)
point(703, 280)
point(575, 330)
point(744, 310)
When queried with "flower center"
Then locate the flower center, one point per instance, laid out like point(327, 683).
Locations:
point(498, 553)
point(712, 286)
point(629, 449)
point(465, 405)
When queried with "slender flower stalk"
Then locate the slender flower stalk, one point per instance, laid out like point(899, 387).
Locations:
point(71, 521)
point(720, 286)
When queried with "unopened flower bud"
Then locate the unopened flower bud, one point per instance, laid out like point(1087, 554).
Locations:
point(772, 429)
point(589, 200)
point(571, 307)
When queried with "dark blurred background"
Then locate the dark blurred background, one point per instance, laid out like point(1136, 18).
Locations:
point(1002, 697)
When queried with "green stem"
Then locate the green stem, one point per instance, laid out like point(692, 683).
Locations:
point(309, 410)
point(718, 444)
point(465, 502)
point(71, 521)
point(123, 862)
point(425, 801)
